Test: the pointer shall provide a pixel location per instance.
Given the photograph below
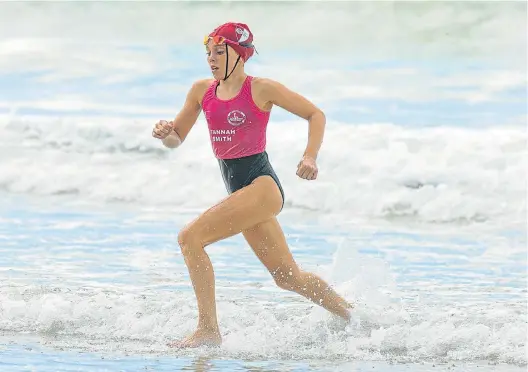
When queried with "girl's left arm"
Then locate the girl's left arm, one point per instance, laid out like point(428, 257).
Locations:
point(279, 95)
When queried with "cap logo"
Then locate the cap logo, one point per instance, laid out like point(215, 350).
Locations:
point(242, 34)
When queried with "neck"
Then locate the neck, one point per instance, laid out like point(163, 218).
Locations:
point(235, 80)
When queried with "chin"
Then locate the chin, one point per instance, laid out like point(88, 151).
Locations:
point(216, 74)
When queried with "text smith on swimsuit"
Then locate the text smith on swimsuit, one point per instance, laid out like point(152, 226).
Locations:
point(237, 109)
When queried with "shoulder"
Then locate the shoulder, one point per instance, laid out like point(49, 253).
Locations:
point(264, 84)
point(203, 83)
point(199, 87)
point(270, 91)
point(266, 88)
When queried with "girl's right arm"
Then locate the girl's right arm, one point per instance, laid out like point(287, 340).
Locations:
point(186, 118)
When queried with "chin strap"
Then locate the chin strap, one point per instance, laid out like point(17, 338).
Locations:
point(227, 63)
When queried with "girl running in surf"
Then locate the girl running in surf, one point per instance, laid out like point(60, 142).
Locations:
point(237, 109)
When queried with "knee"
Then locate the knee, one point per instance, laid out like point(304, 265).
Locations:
point(287, 278)
point(188, 240)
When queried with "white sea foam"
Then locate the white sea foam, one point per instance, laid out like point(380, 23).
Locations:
point(441, 174)
point(135, 319)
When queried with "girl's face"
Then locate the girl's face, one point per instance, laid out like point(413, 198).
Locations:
point(216, 58)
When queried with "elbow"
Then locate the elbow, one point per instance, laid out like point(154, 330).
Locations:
point(318, 116)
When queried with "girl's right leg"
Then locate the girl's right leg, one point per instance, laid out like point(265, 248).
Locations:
point(239, 211)
point(269, 244)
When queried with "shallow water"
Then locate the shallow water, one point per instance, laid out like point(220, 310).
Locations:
point(31, 357)
point(111, 283)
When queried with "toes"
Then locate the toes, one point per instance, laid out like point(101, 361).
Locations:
point(176, 344)
point(182, 344)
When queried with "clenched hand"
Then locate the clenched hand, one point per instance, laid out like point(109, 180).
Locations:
point(162, 129)
point(307, 168)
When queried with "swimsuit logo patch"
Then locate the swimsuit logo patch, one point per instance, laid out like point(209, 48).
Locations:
point(236, 118)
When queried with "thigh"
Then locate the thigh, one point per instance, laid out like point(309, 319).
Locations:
point(268, 242)
point(241, 210)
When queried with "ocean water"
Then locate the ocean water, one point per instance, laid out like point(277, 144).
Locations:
point(418, 215)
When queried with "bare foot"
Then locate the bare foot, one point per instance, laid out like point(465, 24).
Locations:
point(348, 308)
point(347, 305)
point(201, 337)
point(351, 305)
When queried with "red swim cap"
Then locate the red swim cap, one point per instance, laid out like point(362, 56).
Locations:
point(237, 36)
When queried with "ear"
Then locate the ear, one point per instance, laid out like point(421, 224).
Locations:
point(233, 52)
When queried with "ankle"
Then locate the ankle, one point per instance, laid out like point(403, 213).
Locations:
point(208, 326)
point(345, 314)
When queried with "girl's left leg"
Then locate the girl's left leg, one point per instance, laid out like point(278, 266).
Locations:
point(269, 244)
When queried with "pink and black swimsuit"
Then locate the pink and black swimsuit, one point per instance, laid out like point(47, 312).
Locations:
point(237, 129)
